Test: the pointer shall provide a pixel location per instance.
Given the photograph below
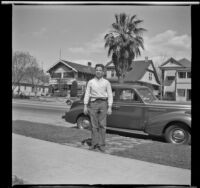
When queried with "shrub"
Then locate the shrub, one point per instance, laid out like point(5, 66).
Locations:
point(74, 89)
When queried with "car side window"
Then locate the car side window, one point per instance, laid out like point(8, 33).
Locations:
point(128, 95)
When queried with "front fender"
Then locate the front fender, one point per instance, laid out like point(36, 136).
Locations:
point(156, 125)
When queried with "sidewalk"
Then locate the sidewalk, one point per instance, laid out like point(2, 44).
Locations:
point(41, 162)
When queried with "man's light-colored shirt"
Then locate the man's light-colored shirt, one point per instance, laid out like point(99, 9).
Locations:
point(98, 88)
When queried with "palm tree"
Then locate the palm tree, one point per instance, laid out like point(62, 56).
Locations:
point(124, 42)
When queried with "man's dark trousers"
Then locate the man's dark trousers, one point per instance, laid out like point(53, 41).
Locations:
point(98, 117)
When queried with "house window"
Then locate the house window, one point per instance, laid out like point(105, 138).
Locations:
point(80, 76)
point(188, 94)
point(182, 74)
point(112, 73)
point(188, 74)
point(170, 78)
point(68, 75)
point(181, 92)
point(169, 96)
point(128, 95)
point(150, 76)
point(56, 75)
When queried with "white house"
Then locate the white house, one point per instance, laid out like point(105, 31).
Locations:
point(176, 79)
point(28, 90)
point(142, 72)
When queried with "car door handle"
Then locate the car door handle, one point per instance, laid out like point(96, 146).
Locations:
point(115, 107)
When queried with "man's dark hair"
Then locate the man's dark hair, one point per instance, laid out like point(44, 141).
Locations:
point(100, 65)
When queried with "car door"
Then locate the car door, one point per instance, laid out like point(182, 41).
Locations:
point(127, 110)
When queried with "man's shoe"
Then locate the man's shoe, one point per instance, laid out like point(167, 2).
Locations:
point(93, 148)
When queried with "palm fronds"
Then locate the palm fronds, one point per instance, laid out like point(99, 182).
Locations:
point(124, 42)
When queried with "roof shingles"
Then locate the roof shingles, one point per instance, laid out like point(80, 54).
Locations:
point(185, 62)
point(81, 68)
point(138, 69)
point(75, 66)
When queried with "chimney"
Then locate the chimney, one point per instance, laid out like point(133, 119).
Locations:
point(146, 59)
point(89, 64)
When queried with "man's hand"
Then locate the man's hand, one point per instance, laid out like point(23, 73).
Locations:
point(109, 112)
point(85, 110)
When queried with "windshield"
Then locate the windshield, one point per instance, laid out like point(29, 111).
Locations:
point(146, 95)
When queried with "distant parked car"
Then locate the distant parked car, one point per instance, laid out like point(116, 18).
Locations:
point(137, 108)
point(20, 95)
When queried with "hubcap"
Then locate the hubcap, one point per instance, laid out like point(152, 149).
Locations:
point(178, 136)
point(83, 123)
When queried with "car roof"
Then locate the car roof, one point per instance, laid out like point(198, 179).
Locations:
point(130, 86)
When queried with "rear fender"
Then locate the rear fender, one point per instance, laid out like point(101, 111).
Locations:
point(157, 125)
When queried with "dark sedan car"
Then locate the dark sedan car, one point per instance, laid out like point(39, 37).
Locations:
point(136, 108)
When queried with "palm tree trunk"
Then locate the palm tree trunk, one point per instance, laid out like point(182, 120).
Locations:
point(121, 79)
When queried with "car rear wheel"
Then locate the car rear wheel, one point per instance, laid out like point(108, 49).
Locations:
point(83, 122)
point(177, 134)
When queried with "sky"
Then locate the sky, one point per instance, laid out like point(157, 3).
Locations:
point(76, 33)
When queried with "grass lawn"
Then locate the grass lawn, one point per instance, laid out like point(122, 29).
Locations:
point(161, 153)
point(156, 152)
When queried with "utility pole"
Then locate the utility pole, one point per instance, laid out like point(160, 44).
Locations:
point(60, 54)
point(42, 66)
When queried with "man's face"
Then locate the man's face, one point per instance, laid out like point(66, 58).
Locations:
point(99, 72)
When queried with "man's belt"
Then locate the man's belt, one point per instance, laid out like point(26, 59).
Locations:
point(98, 99)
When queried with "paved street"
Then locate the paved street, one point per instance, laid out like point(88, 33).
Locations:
point(39, 111)
point(42, 162)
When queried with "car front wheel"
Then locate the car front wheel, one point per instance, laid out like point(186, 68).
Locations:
point(177, 134)
point(83, 122)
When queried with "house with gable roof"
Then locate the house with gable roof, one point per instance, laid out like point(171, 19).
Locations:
point(142, 72)
point(176, 79)
point(63, 73)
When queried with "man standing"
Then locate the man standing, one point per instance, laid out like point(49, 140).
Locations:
point(98, 102)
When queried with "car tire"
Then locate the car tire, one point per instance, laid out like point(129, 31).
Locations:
point(177, 134)
point(83, 122)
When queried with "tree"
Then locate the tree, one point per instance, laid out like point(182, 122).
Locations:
point(25, 68)
point(44, 77)
point(160, 60)
point(20, 62)
point(35, 75)
point(124, 42)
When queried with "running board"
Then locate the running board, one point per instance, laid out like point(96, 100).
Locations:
point(127, 131)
